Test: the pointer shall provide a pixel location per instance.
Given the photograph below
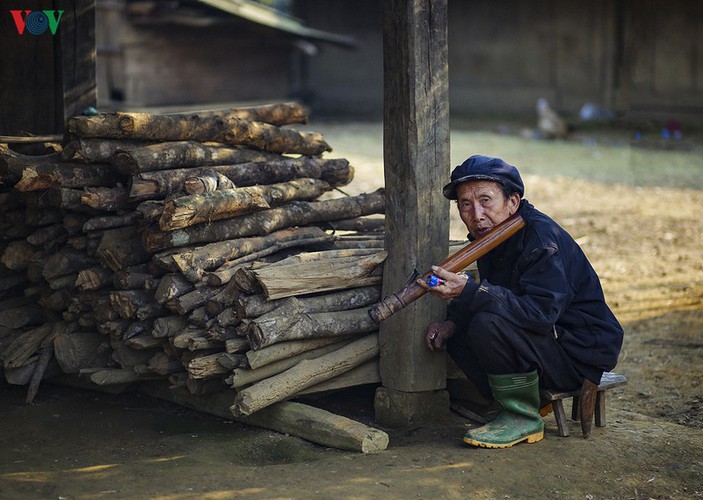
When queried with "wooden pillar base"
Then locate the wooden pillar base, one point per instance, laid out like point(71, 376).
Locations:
point(402, 409)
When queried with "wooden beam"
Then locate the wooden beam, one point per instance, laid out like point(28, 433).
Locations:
point(416, 159)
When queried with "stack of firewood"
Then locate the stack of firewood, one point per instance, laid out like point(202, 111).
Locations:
point(193, 248)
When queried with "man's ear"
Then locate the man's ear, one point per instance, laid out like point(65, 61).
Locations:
point(513, 203)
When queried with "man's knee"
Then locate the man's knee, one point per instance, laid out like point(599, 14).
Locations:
point(484, 326)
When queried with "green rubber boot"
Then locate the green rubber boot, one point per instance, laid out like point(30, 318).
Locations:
point(519, 420)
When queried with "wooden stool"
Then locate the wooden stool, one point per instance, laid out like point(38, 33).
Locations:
point(609, 380)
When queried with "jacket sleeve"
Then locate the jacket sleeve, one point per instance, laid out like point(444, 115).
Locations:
point(543, 294)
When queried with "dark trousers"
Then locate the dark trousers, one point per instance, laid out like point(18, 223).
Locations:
point(492, 345)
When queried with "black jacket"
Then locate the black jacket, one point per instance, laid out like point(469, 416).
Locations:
point(541, 281)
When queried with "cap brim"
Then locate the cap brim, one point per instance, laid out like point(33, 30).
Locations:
point(449, 190)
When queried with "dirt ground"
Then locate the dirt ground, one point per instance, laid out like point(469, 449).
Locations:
point(635, 209)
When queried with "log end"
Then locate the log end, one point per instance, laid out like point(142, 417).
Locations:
point(375, 441)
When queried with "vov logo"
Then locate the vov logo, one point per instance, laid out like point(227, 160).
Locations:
point(36, 22)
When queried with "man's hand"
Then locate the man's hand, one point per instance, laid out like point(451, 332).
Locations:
point(451, 286)
point(438, 334)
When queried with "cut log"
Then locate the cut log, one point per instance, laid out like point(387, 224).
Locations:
point(113, 329)
point(205, 344)
point(296, 419)
point(226, 272)
point(168, 326)
point(159, 184)
point(303, 375)
point(126, 357)
point(172, 286)
point(115, 377)
point(134, 278)
point(66, 261)
point(50, 236)
point(193, 299)
point(194, 263)
point(18, 255)
point(344, 243)
point(296, 213)
point(23, 347)
point(200, 317)
point(231, 361)
point(228, 317)
point(137, 328)
point(13, 163)
point(366, 373)
point(184, 154)
point(234, 131)
point(283, 350)
point(182, 339)
point(206, 367)
point(195, 209)
point(274, 328)
point(110, 222)
point(150, 311)
point(236, 345)
point(359, 224)
point(65, 175)
point(284, 279)
point(127, 302)
point(217, 304)
point(22, 316)
point(78, 350)
point(109, 199)
point(68, 199)
point(121, 248)
point(319, 426)
point(56, 301)
point(97, 150)
point(46, 353)
point(73, 223)
point(207, 184)
point(242, 377)
point(144, 342)
point(94, 278)
point(253, 306)
point(60, 282)
point(283, 113)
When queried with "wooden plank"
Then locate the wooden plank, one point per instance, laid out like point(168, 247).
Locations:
point(416, 159)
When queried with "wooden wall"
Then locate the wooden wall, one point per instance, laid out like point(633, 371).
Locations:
point(46, 78)
point(143, 64)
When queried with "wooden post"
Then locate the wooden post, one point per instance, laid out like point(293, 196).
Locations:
point(416, 159)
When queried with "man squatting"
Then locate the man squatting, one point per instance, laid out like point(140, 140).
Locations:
point(538, 317)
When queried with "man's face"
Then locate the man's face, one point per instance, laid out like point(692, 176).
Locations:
point(482, 205)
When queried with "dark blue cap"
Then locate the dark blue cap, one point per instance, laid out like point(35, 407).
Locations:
point(485, 168)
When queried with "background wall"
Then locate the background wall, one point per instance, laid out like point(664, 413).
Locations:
point(637, 57)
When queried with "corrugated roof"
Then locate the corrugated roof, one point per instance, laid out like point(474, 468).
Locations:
point(273, 18)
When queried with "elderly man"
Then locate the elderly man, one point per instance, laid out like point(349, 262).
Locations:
point(537, 318)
